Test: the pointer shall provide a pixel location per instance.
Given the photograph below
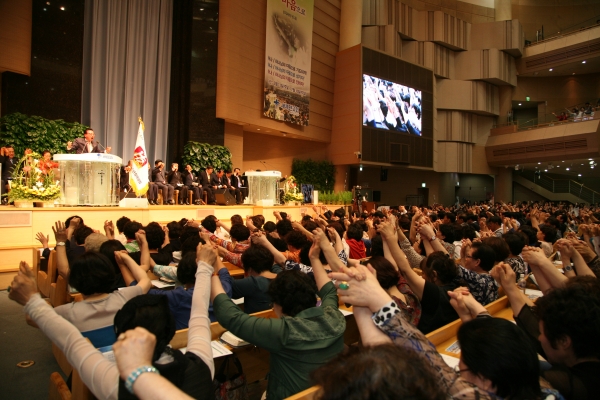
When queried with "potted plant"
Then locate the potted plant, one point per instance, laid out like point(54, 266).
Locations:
point(32, 182)
point(201, 155)
point(291, 194)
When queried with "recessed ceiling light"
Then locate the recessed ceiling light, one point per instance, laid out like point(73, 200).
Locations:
point(202, 9)
point(519, 103)
point(578, 174)
point(550, 70)
point(583, 62)
point(562, 161)
point(63, 9)
point(573, 73)
point(539, 163)
point(545, 170)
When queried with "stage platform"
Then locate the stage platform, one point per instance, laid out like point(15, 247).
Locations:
point(19, 226)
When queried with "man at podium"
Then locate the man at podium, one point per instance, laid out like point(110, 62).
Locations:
point(86, 144)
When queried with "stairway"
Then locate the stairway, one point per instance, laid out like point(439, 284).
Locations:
point(556, 189)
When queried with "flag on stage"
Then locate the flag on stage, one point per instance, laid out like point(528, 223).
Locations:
point(138, 177)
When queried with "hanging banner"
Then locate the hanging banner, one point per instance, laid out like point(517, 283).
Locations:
point(288, 53)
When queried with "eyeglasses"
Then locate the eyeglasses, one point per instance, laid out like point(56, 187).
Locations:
point(459, 371)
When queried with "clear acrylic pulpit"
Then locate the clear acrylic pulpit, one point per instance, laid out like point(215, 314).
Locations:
point(89, 179)
point(263, 187)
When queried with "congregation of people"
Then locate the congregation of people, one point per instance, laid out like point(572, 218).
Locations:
point(406, 271)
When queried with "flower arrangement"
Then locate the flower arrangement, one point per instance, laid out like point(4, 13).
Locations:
point(32, 183)
point(291, 192)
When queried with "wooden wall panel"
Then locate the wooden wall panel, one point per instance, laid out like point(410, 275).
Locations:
point(280, 152)
point(240, 67)
point(347, 107)
point(491, 65)
point(15, 36)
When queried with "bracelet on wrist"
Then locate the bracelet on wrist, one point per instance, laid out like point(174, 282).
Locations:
point(133, 376)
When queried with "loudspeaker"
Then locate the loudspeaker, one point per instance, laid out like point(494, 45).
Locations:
point(224, 197)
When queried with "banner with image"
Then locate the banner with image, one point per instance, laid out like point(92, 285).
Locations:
point(288, 53)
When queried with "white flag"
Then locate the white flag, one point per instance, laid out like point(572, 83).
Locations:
point(138, 177)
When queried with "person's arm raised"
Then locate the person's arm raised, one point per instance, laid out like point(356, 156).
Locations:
point(505, 276)
point(138, 273)
point(62, 262)
point(146, 262)
point(319, 273)
point(332, 259)
point(416, 282)
point(199, 333)
point(261, 239)
point(546, 274)
point(430, 241)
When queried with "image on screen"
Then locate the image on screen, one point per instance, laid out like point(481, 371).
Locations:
point(391, 106)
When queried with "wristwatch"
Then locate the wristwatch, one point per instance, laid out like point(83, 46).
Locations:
point(60, 244)
point(433, 238)
point(568, 268)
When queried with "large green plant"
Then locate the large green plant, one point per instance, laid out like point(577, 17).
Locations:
point(37, 133)
point(321, 174)
point(201, 155)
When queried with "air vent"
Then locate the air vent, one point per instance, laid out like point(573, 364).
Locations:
point(554, 146)
point(576, 144)
point(399, 153)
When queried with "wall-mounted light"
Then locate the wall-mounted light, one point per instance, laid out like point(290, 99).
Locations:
point(360, 168)
point(423, 184)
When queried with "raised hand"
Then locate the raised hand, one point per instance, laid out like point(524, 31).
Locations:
point(23, 285)
point(42, 239)
point(206, 253)
point(60, 232)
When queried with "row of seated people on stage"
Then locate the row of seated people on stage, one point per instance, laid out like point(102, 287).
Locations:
point(407, 271)
point(208, 181)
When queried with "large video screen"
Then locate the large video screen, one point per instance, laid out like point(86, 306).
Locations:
point(391, 106)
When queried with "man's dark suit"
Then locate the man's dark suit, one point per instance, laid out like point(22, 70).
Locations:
point(235, 192)
point(158, 177)
point(204, 180)
point(188, 180)
point(236, 182)
point(152, 193)
point(79, 146)
point(8, 164)
point(175, 180)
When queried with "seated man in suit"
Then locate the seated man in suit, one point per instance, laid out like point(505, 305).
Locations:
point(191, 182)
point(236, 181)
point(86, 144)
point(158, 177)
point(205, 183)
point(228, 182)
point(176, 181)
point(152, 193)
point(8, 161)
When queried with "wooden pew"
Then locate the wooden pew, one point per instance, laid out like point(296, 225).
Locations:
point(45, 279)
point(445, 336)
point(58, 388)
point(308, 394)
point(59, 292)
point(235, 271)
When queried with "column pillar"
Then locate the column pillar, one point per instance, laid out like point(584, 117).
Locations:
point(504, 185)
point(503, 10)
point(505, 97)
point(351, 23)
point(234, 141)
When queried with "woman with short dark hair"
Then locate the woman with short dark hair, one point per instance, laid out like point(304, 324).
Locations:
point(303, 337)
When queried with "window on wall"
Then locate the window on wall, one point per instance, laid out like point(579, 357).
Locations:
point(203, 125)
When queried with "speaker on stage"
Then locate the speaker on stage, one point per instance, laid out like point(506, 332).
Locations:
point(224, 197)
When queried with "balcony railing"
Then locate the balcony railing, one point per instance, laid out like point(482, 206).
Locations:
point(562, 186)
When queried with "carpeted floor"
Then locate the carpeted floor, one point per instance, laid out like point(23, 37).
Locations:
point(20, 342)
